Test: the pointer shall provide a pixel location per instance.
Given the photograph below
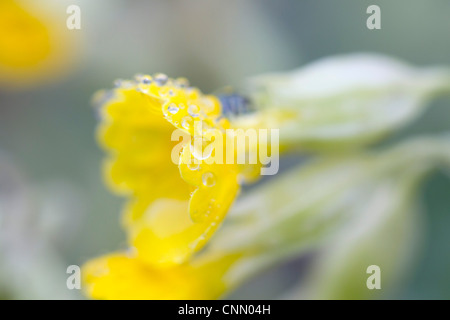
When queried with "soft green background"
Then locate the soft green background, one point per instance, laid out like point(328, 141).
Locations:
point(48, 131)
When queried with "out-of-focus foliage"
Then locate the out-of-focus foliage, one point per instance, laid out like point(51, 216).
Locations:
point(48, 128)
point(355, 211)
point(346, 101)
point(32, 219)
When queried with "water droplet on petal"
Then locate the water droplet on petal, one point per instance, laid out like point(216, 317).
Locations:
point(182, 82)
point(208, 179)
point(167, 93)
point(193, 110)
point(146, 80)
point(193, 166)
point(172, 108)
point(161, 79)
point(186, 122)
point(209, 104)
point(198, 151)
point(142, 88)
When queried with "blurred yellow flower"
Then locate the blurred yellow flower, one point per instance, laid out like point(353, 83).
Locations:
point(174, 208)
point(119, 276)
point(35, 44)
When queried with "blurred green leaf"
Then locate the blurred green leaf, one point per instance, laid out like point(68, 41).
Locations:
point(344, 101)
point(359, 207)
point(384, 232)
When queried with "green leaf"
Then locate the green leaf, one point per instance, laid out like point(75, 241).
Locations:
point(344, 101)
point(341, 206)
point(384, 231)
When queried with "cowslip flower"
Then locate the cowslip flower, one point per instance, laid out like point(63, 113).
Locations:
point(35, 44)
point(273, 224)
point(173, 208)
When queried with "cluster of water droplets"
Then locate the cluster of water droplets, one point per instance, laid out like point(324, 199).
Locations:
point(143, 82)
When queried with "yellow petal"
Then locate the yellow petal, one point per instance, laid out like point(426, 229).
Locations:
point(171, 230)
point(119, 276)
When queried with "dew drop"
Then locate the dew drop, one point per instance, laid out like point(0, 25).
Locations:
point(208, 179)
point(142, 88)
point(186, 122)
point(144, 79)
point(201, 153)
point(193, 110)
point(182, 82)
point(167, 93)
point(172, 108)
point(193, 166)
point(209, 104)
point(161, 79)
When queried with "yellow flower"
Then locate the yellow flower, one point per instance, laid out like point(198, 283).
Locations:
point(174, 208)
point(120, 276)
point(34, 43)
